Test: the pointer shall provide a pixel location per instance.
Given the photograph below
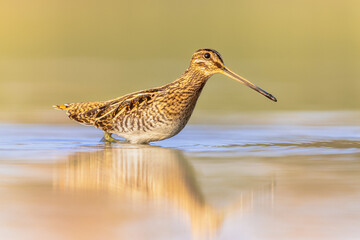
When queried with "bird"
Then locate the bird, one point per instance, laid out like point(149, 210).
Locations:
point(158, 113)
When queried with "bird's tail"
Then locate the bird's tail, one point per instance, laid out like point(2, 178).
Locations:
point(62, 106)
point(84, 113)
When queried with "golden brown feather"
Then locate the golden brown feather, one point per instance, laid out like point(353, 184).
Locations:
point(158, 113)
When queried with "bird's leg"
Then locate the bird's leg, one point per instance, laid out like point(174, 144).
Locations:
point(108, 138)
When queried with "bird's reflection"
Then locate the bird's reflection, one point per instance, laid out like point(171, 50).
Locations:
point(146, 172)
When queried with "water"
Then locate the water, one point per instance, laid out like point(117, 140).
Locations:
point(278, 177)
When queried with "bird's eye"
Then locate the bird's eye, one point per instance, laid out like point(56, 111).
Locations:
point(207, 55)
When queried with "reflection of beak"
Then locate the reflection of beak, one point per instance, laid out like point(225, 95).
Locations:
point(242, 80)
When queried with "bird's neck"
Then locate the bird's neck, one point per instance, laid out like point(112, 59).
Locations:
point(185, 91)
point(192, 80)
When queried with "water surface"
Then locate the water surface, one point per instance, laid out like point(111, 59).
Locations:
point(259, 180)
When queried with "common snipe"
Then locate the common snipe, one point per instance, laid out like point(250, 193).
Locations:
point(158, 113)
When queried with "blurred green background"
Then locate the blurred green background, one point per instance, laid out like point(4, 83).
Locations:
point(306, 53)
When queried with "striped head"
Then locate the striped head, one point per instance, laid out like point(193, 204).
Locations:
point(209, 62)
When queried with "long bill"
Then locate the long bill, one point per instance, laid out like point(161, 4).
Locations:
point(242, 80)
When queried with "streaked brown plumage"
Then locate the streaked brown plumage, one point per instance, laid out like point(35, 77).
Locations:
point(158, 113)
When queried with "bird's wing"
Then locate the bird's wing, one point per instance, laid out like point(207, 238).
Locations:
point(103, 114)
point(108, 113)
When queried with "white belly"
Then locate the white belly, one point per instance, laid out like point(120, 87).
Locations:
point(159, 132)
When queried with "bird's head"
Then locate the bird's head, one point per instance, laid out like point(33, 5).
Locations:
point(210, 62)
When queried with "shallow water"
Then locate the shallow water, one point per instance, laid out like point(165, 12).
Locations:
point(283, 179)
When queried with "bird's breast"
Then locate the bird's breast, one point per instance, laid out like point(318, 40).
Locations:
point(166, 116)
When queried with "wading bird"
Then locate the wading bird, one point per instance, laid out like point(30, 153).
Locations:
point(158, 113)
